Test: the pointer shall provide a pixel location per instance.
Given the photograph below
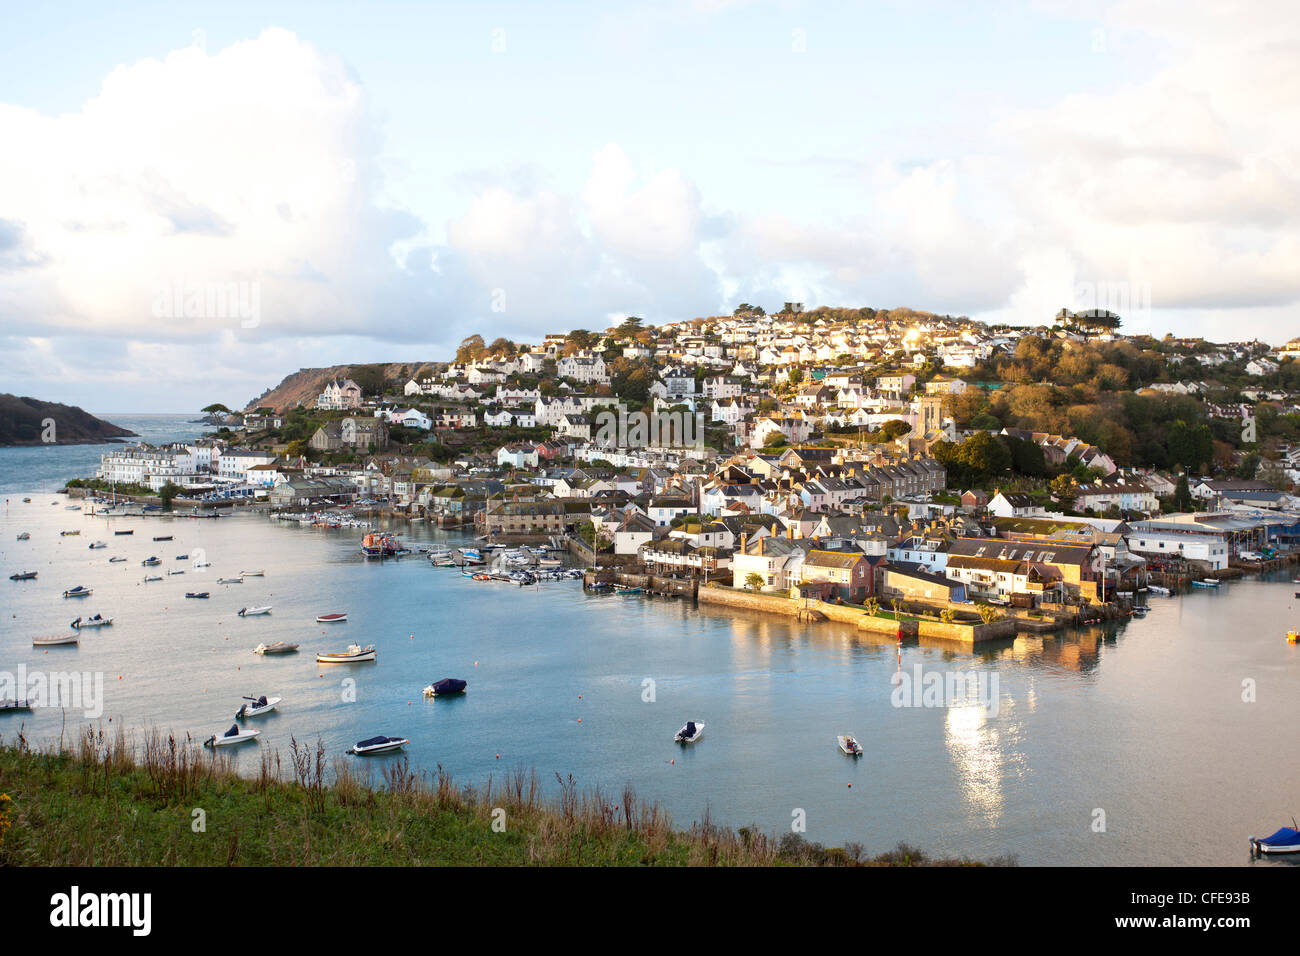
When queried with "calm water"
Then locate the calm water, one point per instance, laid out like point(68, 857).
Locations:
point(1145, 722)
point(47, 467)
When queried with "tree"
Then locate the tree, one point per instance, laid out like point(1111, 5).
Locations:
point(1182, 495)
point(872, 606)
point(214, 408)
point(989, 614)
point(947, 615)
point(471, 349)
point(754, 581)
point(775, 440)
point(167, 493)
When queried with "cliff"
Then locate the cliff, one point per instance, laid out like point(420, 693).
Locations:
point(303, 386)
point(22, 422)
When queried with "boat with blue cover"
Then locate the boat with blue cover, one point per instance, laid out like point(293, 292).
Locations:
point(1285, 840)
point(378, 745)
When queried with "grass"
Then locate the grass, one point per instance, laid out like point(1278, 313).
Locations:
point(104, 801)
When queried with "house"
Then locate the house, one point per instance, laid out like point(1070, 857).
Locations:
point(777, 560)
point(846, 575)
point(1015, 506)
point(339, 394)
point(517, 455)
point(899, 582)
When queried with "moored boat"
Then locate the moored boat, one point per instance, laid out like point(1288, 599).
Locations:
point(69, 533)
point(277, 647)
point(24, 536)
point(116, 560)
point(230, 580)
point(162, 537)
point(1205, 583)
point(257, 573)
point(378, 745)
point(13, 703)
point(692, 732)
point(132, 531)
point(232, 736)
point(1157, 589)
point(257, 706)
point(79, 591)
point(444, 687)
point(155, 577)
point(331, 618)
point(1285, 840)
point(196, 594)
point(628, 590)
point(254, 611)
point(355, 654)
point(23, 576)
point(97, 621)
point(55, 639)
point(96, 544)
point(151, 562)
point(849, 744)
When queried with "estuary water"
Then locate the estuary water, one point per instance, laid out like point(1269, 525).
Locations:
point(1165, 740)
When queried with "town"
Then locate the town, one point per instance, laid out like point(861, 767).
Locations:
point(953, 471)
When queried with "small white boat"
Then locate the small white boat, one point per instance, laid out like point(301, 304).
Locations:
point(116, 560)
point(153, 577)
point(51, 641)
point(79, 591)
point(203, 564)
point(254, 611)
point(96, 621)
point(690, 733)
point(277, 647)
point(378, 745)
point(232, 736)
point(1285, 840)
point(176, 571)
point(1205, 583)
point(331, 618)
point(1157, 589)
point(257, 706)
point(230, 580)
point(849, 744)
point(24, 536)
point(259, 573)
point(96, 545)
point(355, 654)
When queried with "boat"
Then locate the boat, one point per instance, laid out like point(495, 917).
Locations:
point(355, 654)
point(692, 732)
point(203, 564)
point(27, 501)
point(232, 736)
point(230, 580)
point(277, 647)
point(150, 562)
point(257, 707)
point(196, 594)
point(79, 591)
point(176, 571)
point(331, 618)
point(1285, 840)
point(380, 545)
point(69, 533)
point(1157, 589)
point(11, 703)
point(1205, 583)
point(182, 557)
point(1293, 637)
point(148, 578)
point(23, 576)
point(57, 639)
point(253, 611)
point(259, 573)
point(97, 621)
point(116, 560)
point(378, 745)
point(1139, 611)
point(628, 590)
point(24, 536)
point(471, 556)
point(162, 537)
point(849, 744)
point(96, 544)
point(132, 531)
point(448, 685)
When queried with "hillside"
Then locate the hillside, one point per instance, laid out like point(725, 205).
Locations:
point(22, 422)
point(303, 386)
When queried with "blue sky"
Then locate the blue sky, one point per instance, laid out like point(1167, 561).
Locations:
point(384, 174)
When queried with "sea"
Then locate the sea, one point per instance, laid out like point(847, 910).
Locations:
point(1161, 740)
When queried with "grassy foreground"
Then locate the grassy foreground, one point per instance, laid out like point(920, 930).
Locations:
point(103, 802)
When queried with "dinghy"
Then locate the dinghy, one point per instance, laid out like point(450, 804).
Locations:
point(1285, 840)
point(355, 654)
point(79, 591)
point(378, 745)
point(448, 685)
point(150, 562)
point(849, 745)
point(627, 590)
point(176, 571)
point(259, 573)
point(24, 536)
point(230, 580)
point(182, 557)
point(196, 594)
point(253, 611)
point(97, 544)
point(331, 618)
point(277, 647)
point(58, 639)
point(1157, 589)
point(692, 732)
point(148, 578)
point(23, 576)
point(116, 560)
point(1206, 583)
point(97, 621)
point(232, 736)
point(132, 531)
point(162, 537)
point(257, 706)
point(68, 533)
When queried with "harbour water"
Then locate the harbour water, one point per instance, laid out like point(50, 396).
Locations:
point(1174, 732)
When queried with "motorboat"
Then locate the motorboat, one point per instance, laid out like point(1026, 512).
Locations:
point(97, 621)
point(849, 744)
point(1139, 611)
point(355, 654)
point(253, 611)
point(203, 564)
point(162, 537)
point(69, 533)
point(27, 501)
point(378, 745)
point(151, 562)
point(116, 560)
point(176, 571)
point(1205, 583)
point(628, 590)
point(471, 556)
point(1157, 589)
point(56, 639)
point(232, 736)
point(94, 545)
point(331, 618)
point(379, 545)
point(149, 578)
point(182, 557)
point(257, 706)
point(277, 647)
point(23, 576)
point(132, 531)
point(79, 591)
point(24, 536)
point(230, 580)
point(692, 732)
point(259, 573)
point(444, 687)
point(1285, 840)
point(196, 594)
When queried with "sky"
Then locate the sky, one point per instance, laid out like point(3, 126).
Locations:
point(197, 199)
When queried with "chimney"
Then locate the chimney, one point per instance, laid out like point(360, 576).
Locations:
point(744, 539)
point(789, 532)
